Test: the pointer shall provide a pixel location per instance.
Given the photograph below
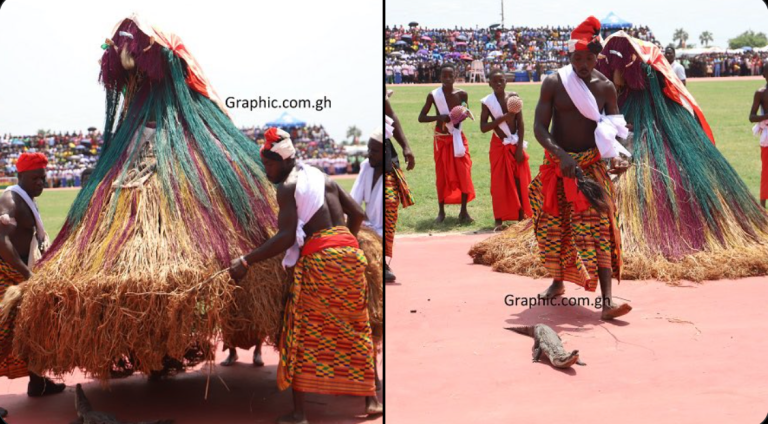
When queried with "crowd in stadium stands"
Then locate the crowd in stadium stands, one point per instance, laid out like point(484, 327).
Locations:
point(414, 54)
point(724, 64)
point(315, 147)
point(69, 155)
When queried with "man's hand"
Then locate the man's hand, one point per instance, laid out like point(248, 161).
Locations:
point(409, 158)
point(444, 118)
point(236, 270)
point(618, 166)
point(568, 166)
point(520, 154)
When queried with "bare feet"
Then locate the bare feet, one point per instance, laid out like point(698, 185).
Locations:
point(257, 361)
point(440, 217)
point(293, 418)
point(464, 218)
point(373, 406)
point(231, 359)
point(389, 276)
point(612, 310)
point(556, 289)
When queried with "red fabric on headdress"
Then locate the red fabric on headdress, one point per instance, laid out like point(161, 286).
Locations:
point(278, 141)
point(31, 162)
point(587, 32)
point(271, 136)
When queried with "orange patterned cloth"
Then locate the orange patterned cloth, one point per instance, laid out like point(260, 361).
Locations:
point(577, 240)
point(396, 193)
point(10, 366)
point(326, 345)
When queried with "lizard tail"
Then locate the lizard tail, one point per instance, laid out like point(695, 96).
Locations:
point(526, 330)
point(81, 402)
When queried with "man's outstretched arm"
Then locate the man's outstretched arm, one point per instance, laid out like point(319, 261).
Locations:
point(287, 221)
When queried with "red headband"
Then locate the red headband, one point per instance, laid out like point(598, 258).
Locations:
point(586, 36)
point(31, 162)
point(278, 141)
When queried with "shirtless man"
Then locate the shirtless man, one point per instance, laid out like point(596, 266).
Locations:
point(453, 168)
point(760, 102)
point(326, 344)
point(18, 228)
point(572, 144)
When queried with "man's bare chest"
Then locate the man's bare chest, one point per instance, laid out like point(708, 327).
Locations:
point(452, 99)
point(564, 104)
point(24, 217)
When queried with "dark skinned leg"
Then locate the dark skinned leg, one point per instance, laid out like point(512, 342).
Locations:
point(557, 288)
point(440, 213)
point(373, 406)
point(257, 361)
point(231, 358)
point(297, 416)
point(611, 309)
point(464, 217)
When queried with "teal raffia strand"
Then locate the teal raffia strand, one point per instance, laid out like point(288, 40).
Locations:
point(694, 188)
point(185, 122)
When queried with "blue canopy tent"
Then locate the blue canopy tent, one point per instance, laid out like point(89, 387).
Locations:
point(286, 121)
point(614, 22)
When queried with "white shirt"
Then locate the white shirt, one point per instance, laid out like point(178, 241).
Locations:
point(679, 70)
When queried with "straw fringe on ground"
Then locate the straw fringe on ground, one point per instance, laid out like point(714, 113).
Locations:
point(515, 251)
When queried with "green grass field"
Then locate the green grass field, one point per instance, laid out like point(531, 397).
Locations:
point(726, 106)
point(54, 206)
